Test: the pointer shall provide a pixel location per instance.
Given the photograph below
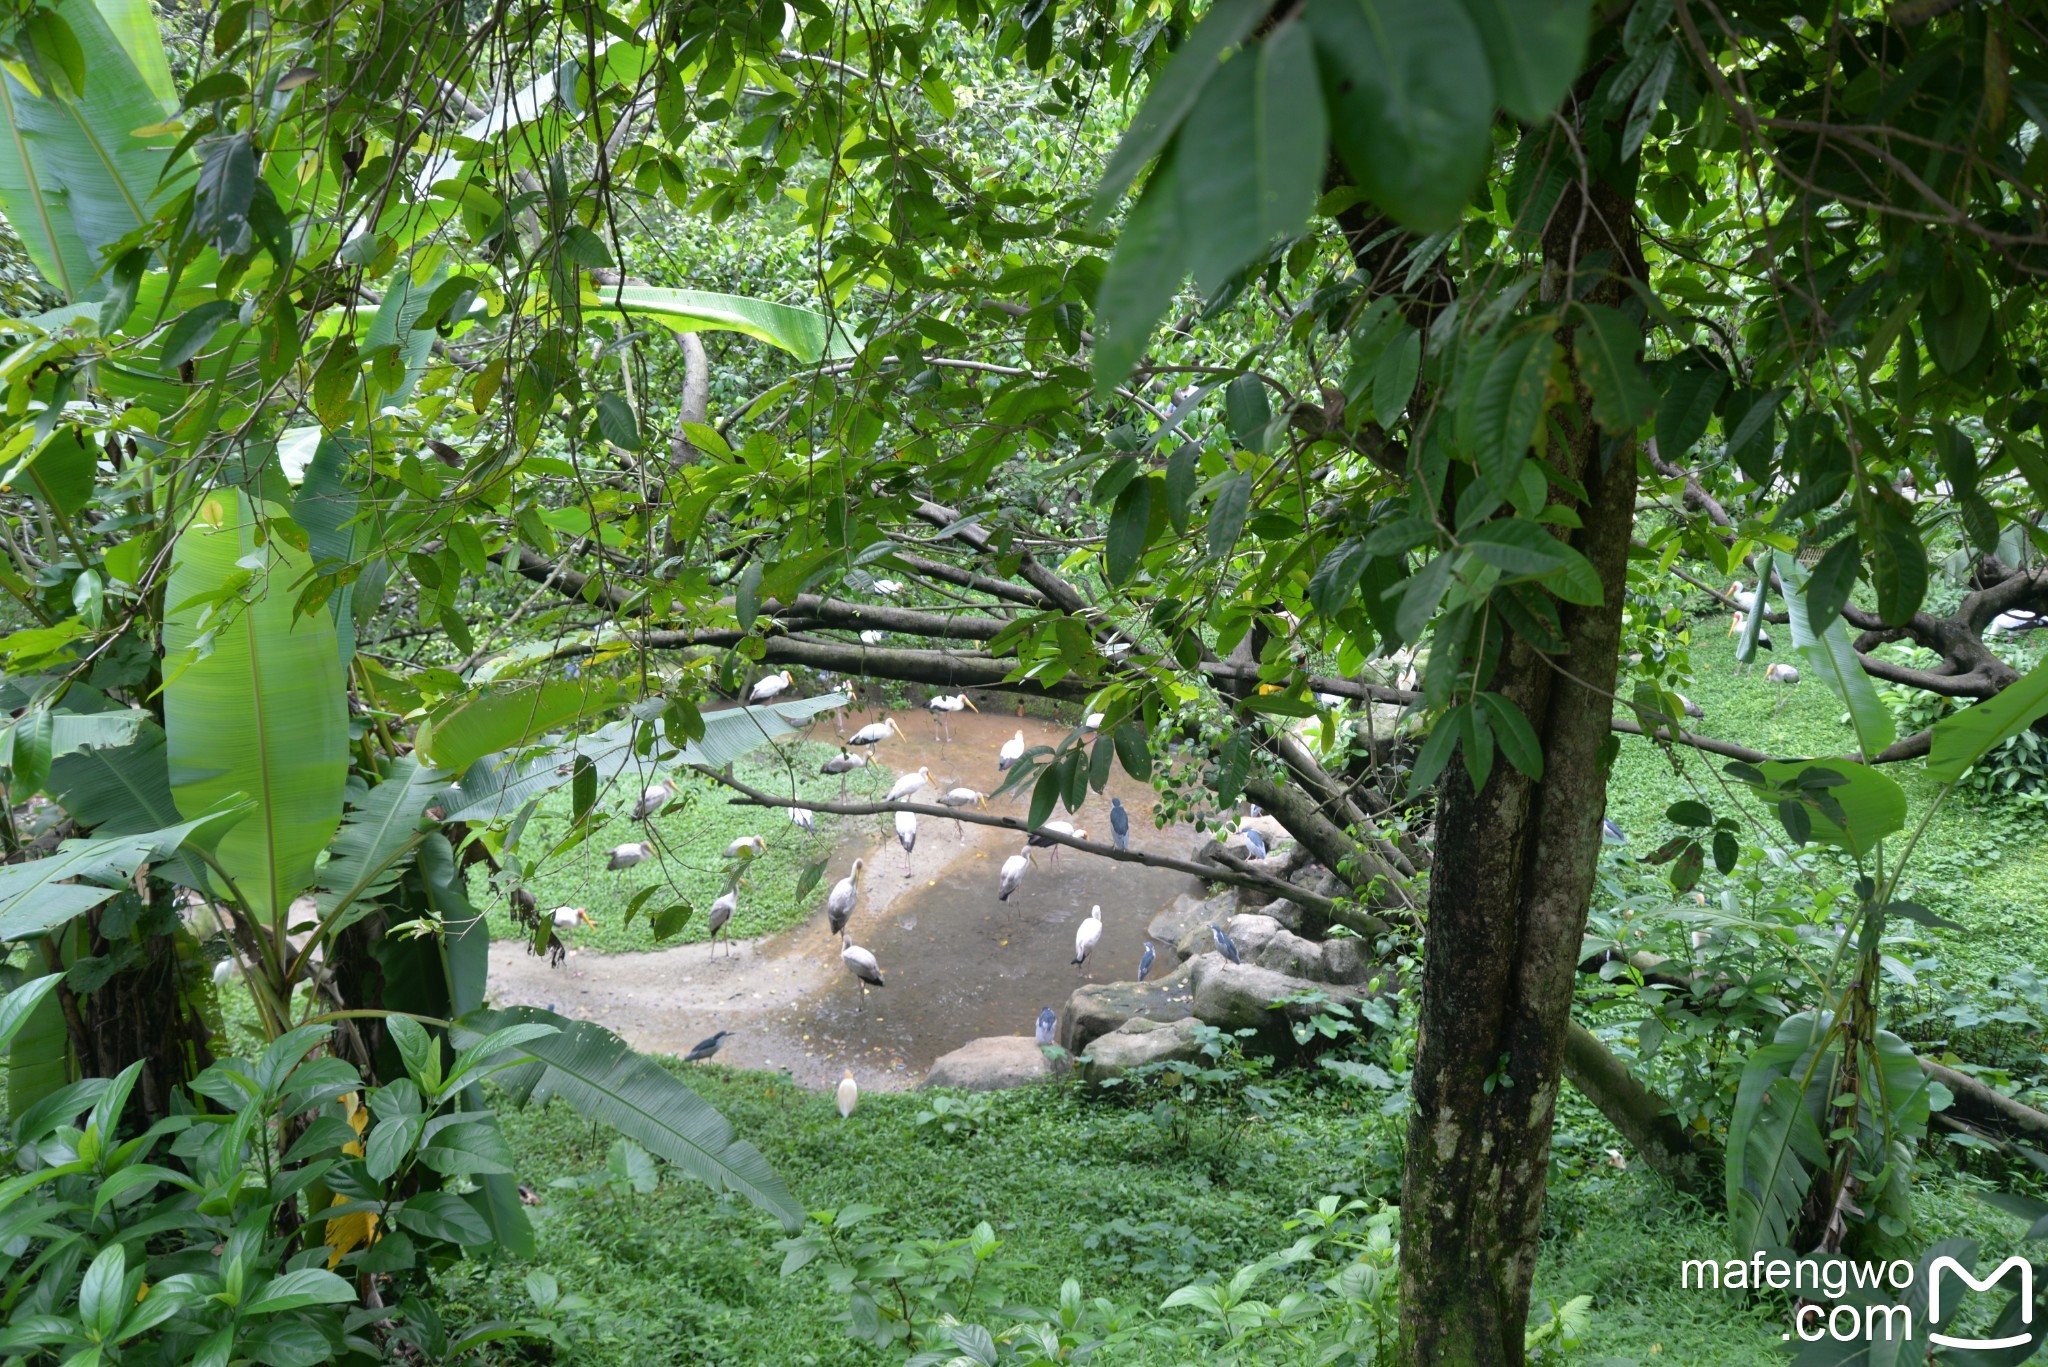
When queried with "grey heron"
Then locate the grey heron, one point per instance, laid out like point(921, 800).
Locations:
point(705, 1048)
point(1611, 833)
point(1047, 1024)
point(1145, 961)
point(1226, 944)
point(1119, 823)
point(1254, 842)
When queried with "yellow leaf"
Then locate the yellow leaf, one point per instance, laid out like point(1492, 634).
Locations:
point(346, 1232)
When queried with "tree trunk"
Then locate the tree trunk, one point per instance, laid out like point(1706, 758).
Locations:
point(1507, 910)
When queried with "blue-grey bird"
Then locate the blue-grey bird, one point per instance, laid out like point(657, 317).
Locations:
point(706, 1047)
point(1255, 842)
point(1119, 823)
point(1047, 1023)
point(1145, 961)
point(1226, 944)
point(1611, 833)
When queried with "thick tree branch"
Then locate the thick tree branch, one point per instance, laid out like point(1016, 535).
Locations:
point(1687, 1161)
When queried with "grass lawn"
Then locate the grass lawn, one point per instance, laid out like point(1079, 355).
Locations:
point(690, 837)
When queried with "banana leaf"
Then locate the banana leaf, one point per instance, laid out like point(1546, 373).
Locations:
point(253, 699)
point(602, 1078)
point(75, 177)
point(1831, 659)
point(36, 897)
point(378, 836)
point(803, 333)
point(1963, 738)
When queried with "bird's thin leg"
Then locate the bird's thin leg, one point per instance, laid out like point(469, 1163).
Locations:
point(959, 829)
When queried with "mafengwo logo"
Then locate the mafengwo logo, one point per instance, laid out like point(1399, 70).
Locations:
point(1837, 1302)
point(1956, 1269)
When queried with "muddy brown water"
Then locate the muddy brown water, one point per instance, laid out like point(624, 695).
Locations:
point(958, 964)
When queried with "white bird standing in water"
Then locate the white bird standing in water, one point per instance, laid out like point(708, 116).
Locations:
point(1012, 875)
point(875, 732)
point(909, 783)
point(721, 914)
point(840, 901)
point(626, 856)
point(1088, 935)
point(771, 687)
point(963, 797)
point(1012, 751)
point(747, 847)
point(860, 963)
point(653, 800)
point(906, 836)
point(849, 1095)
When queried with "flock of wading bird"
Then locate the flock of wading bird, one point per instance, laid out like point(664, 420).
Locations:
point(855, 753)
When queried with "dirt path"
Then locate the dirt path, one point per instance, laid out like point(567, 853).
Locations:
point(958, 964)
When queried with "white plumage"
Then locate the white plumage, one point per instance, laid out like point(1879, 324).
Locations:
point(653, 799)
point(909, 783)
point(1012, 751)
point(962, 797)
point(875, 732)
point(859, 962)
point(721, 913)
point(568, 918)
point(1781, 673)
point(849, 1095)
point(772, 686)
point(840, 901)
point(798, 816)
point(906, 836)
point(626, 856)
point(1012, 875)
point(747, 847)
point(1088, 935)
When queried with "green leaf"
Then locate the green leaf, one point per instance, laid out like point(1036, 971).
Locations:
point(1144, 274)
point(803, 333)
point(1257, 132)
point(616, 422)
point(1898, 564)
point(1129, 522)
point(604, 1080)
point(1248, 409)
point(224, 193)
point(1393, 376)
point(1834, 579)
point(1330, 588)
point(1226, 519)
point(1831, 659)
point(37, 896)
point(1132, 751)
point(1686, 408)
point(1508, 406)
point(264, 715)
point(99, 1294)
point(1517, 738)
point(17, 1006)
point(188, 336)
point(1174, 92)
point(444, 1215)
point(296, 1289)
point(1963, 738)
point(74, 179)
point(1533, 49)
point(1689, 812)
point(370, 849)
point(1519, 548)
point(1871, 804)
point(1606, 346)
point(505, 716)
point(1411, 103)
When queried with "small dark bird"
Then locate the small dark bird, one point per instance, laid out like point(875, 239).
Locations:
point(1611, 833)
point(1047, 1023)
point(1255, 842)
point(1119, 823)
point(1145, 961)
point(707, 1047)
point(1226, 944)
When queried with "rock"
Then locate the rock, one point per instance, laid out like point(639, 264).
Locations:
point(1183, 914)
point(1241, 996)
point(1216, 911)
point(1099, 1008)
point(1139, 1042)
point(1350, 961)
point(990, 1064)
point(1251, 930)
point(1288, 913)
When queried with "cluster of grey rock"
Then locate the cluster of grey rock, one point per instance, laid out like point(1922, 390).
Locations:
point(1110, 1028)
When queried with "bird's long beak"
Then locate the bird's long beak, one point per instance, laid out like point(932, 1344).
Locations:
point(897, 729)
point(970, 703)
point(982, 800)
point(584, 917)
